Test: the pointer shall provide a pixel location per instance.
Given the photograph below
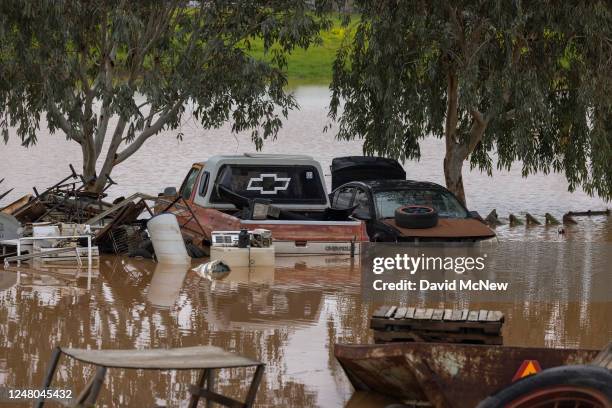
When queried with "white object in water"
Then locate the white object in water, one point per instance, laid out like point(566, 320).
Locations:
point(44, 230)
point(166, 284)
point(9, 226)
point(167, 239)
point(243, 257)
point(212, 270)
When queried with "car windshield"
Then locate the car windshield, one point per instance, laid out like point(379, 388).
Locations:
point(444, 202)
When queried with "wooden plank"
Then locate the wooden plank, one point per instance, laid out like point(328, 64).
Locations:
point(390, 312)
point(482, 315)
point(456, 315)
point(400, 313)
point(437, 314)
point(495, 316)
point(428, 313)
point(473, 316)
point(420, 313)
point(381, 311)
point(448, 314)
point(410, 313)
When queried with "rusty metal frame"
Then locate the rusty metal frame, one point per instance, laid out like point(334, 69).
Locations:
point(175, 203)
point(444, 374)
point(204, 389)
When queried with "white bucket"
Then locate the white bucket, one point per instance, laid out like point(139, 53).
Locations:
point(167, 239)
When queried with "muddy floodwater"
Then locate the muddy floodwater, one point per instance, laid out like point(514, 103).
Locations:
point(288, 317)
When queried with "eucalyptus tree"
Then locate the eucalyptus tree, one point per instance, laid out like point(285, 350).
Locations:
point(79, 64)
point(528, 81)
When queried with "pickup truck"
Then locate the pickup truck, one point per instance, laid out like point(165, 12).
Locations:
point(228, 192)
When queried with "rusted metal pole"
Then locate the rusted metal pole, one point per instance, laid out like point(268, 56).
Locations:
point(96, 386)
point(195, 397)
point(250, 399)
point(55, 356)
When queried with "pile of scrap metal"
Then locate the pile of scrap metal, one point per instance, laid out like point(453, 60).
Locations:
point(116, 227)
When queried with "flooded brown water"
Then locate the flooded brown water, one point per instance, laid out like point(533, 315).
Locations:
point(288, 317)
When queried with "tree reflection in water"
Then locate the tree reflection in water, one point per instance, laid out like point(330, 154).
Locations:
point(289, 318)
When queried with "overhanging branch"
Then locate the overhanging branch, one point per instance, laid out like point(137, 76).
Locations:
point(149, 131)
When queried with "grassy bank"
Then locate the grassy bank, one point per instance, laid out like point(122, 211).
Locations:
point(314, 65)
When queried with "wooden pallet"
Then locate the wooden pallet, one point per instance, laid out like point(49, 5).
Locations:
point(393, 323)
point(604, 358)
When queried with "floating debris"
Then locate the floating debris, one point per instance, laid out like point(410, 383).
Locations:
point(213, 270)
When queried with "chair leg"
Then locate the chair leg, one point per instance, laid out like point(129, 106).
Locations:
point(210, 383)
point(96, 386)
point(252, 393)
point(55, 356)
point(195, 398)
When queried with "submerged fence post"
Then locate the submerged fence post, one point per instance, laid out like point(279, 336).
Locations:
point(514, 221)
point(531, 220)
point(550, 220)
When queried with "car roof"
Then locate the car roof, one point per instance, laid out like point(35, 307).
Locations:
point(381, 185)
point(259, 158)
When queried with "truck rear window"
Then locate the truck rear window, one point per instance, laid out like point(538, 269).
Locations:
point(280, 184)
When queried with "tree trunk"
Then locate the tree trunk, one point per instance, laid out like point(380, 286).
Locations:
point(453, 165)
point(455, 151)
point(89, 168)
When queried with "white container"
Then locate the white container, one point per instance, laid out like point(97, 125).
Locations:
point(243, 257)
point(262, 257)
point(167, 239)
point(41, 231)
point(233, 257)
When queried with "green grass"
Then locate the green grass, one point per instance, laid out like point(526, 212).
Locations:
point(312, 66)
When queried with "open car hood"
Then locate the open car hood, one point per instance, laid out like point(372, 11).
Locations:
point(447, 228)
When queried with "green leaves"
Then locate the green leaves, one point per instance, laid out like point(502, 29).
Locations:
point(76, 63)
point(535, 72)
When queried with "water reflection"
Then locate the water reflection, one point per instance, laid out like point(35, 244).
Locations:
point(166, 284)
point(289, 317)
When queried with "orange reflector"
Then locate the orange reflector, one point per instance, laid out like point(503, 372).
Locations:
point(529, 367)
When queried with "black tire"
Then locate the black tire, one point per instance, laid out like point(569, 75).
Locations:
point(584, 377)
point(416, 216)
point(194, 251)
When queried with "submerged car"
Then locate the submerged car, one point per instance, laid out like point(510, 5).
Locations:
point(399, 210)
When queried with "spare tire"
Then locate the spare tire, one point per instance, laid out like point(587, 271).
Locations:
point(572, 383)
point(416, 216)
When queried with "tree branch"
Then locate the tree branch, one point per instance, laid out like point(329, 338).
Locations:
point(477, 130)
point(107, 73)
point(147, 133)
point(63, 123)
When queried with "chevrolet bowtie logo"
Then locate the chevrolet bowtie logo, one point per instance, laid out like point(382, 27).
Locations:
point(268, 183)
